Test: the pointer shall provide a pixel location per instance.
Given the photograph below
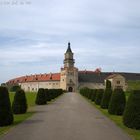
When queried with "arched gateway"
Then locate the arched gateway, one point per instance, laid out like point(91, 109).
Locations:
point(70, 89)
point(69, 73)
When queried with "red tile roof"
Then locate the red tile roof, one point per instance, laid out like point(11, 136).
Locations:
point(112, 76)
point(98, 70)
point(85, 71)
point(35, 78)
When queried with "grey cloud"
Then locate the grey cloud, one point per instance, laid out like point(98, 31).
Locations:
point(103, 34)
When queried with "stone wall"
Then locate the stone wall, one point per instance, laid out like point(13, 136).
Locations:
point(91, 85)
point(34, 86)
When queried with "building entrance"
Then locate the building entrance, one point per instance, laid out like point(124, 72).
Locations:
point(70, 89)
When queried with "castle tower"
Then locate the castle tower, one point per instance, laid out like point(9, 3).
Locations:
point(69, 61)
point(69, 73)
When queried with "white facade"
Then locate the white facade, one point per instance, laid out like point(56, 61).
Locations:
point(34, 86)
point(92, 85)
point(67, 79)
point(117, 81)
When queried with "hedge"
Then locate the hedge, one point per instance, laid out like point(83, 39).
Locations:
point(19, 105)
point(45, 95)
point(99, 96)
point(117, 102)
point(131, 116)
point(106, 98)
point(41, 97)
point(6, 115)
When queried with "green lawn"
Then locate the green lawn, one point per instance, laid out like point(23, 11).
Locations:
point(133, 85)
point(30, 98)
point(118, 120)
point(20, 118)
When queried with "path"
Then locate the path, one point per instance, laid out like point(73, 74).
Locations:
point(70, 117)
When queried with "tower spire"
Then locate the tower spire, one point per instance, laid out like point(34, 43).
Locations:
point(69, 61)
point(69, 48)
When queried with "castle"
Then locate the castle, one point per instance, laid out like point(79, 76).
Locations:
point(71, 79)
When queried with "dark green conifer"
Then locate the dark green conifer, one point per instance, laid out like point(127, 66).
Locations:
point(117, 102)
point(107, 95)
point(99, 96)
point(94, 93)
point(6, 115)
point(19, 105)
point(131, 116)
point(41, 97)
point(47, 95)
point(15, 88)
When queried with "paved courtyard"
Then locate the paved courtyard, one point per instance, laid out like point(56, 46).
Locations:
point(70, 117)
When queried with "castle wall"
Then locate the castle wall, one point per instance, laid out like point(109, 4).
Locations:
point(91, 85)
point(69, 78)
point(63, 80)
point(34, 86)
point(118, 82)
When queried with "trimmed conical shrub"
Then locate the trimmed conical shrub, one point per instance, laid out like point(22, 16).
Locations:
point(117, 102)
point(94, 92)
point(106, 98)
point(89, 94)
point(6, 115)
point(51, 93)
point(41, 97)
point(99, 96)
point(83, 91)
point(108, 84)
point(19, 105)
point(59, 91)
point(107, 95)
point(15, 88)
point(131, 116)
point(47, 95)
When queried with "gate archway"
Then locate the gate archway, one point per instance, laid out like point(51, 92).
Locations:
point(70, 89)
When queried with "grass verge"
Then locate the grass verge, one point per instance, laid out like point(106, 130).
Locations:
point(20, 118)
point(135, 134)
point(17, 119)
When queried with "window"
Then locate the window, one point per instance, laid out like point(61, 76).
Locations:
point(71, 73)
point(118, 82)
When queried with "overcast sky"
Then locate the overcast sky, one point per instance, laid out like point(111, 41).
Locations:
point(34, 35)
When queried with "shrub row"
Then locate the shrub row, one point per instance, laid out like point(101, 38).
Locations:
point(116, 103)
point(93, 94)
point(19, 105)
point(131, 116)
point(14, 88)
point(6, 115)
point(45, 95)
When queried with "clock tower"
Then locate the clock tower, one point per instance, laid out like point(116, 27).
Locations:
point(69, 73)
